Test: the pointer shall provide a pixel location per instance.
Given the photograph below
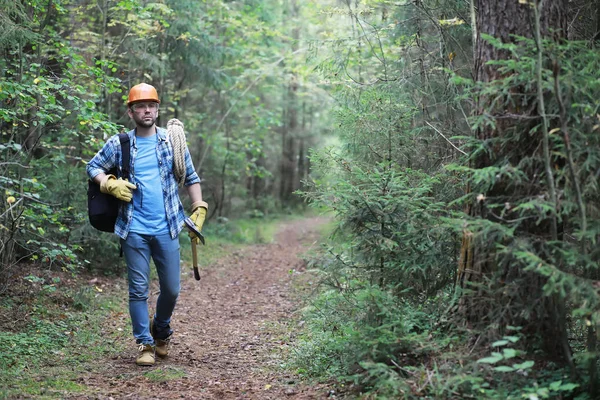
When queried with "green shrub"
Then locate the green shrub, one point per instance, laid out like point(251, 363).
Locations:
point(359, 323)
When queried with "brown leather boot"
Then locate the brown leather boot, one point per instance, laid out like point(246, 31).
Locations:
point(146, 356)
point(162, 345)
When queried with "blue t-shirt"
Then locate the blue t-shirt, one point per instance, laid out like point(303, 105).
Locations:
point(149, 216)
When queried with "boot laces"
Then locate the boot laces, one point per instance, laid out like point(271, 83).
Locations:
point(142, 347)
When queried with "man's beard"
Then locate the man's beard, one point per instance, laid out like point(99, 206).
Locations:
point(143, 123)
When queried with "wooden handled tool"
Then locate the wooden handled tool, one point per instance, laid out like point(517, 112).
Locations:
point(192, 227)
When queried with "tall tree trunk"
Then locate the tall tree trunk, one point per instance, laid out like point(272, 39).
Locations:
point(301, 163)
point(515, 117)
point(223, 178)
point(288, 169)
point(258, 185)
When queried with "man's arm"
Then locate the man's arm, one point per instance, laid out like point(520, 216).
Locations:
point(195, 193)
point(103, 161)
point(99, 178)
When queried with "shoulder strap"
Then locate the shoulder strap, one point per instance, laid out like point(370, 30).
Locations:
point(125, 148)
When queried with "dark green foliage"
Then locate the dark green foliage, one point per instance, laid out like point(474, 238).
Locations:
point(388, 271)
point(47, 124)
point(517, 224)
point(389, 220)
point(385, 276)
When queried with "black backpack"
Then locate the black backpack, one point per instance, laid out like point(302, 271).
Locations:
point(103, 208)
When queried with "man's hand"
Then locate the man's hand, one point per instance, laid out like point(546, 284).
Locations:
point(119, 188)
point(198, 216)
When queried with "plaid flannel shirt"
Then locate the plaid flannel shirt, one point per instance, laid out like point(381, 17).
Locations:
point(110, 156)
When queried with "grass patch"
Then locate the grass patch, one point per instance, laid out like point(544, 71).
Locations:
point(244, 231)
point(165, 374)
point(46, 388)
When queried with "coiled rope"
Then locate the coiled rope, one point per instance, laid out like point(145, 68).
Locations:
point(176, 135)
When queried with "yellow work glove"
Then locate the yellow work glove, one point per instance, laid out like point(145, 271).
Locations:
point(119, 188)
point(198, 216)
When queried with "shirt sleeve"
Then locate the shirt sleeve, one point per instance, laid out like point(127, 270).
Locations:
point(191, 176)
point(104, 160)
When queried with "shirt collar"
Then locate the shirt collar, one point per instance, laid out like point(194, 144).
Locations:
point(160, 132)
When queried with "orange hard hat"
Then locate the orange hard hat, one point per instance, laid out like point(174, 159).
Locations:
point(142, 92)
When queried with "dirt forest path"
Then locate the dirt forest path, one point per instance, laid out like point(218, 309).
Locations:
point(229, 328)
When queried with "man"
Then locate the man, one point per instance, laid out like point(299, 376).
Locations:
point(150, 217)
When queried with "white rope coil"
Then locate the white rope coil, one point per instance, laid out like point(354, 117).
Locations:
point(176, 135)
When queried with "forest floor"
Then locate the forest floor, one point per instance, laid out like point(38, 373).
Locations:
point(233, 330)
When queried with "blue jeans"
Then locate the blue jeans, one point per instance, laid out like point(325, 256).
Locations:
point(164, 251)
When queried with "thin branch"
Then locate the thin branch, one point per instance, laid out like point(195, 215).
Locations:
point(382, 58)
point(400, 368)
point(26, 196)
point(11, 207)
point(14, 163)
point(447, 140)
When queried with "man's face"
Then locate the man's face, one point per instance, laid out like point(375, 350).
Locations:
point(144, 114)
